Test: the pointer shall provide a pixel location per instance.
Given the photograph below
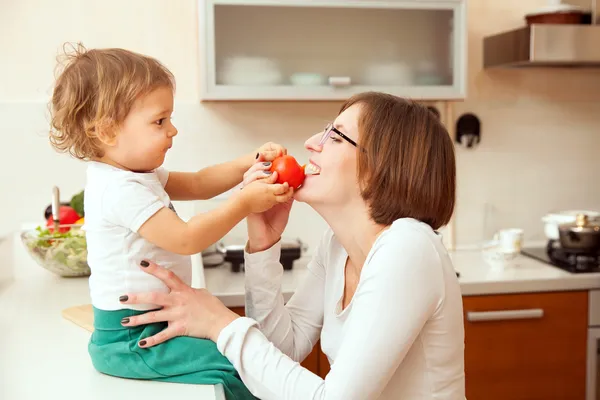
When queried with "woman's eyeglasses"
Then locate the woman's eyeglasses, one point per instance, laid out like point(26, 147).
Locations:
point(327, 134)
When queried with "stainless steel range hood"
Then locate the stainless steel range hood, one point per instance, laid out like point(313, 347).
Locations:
point(544, 45)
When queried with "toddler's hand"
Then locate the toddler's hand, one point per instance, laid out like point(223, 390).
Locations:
point(269, 151)
point(261, 195)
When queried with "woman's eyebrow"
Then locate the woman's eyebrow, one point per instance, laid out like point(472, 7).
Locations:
point(339, 127)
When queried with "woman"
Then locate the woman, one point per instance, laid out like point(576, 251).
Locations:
point(381, 292)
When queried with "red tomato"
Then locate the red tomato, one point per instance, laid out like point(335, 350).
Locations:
point(67, 216)
point(288, 170)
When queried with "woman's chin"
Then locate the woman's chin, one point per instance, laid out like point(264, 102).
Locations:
point(309, 190)
point(303, 194)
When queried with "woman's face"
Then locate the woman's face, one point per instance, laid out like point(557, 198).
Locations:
point(336, 159)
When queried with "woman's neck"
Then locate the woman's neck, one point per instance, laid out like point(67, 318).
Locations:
point(354, 229)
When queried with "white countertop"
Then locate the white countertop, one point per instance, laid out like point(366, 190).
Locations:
point(524, 276)
point(43, 356)
point(476, 278)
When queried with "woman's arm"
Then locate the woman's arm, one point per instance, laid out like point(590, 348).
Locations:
point(293, 328)
point(400, 289)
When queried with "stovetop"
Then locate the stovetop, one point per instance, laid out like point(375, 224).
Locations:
point(571, 261)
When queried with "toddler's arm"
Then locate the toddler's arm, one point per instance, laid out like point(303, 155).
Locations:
point(166, 230)
point(216, 179)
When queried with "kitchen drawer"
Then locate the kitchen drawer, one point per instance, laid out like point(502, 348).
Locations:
point(526, 346)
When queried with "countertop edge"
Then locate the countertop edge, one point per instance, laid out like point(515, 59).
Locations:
point(529, 286)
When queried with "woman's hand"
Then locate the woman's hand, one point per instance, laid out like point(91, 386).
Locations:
point(188, 311)
point(265, 229)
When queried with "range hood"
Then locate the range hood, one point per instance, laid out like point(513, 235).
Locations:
point(544, 45)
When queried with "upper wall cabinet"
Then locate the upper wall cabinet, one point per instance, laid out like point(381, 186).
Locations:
point(331, 49)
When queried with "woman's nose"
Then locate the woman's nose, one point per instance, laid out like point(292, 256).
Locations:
point(312, 143)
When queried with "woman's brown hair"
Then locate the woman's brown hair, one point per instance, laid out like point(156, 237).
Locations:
point(406, 162)
point(94, 93)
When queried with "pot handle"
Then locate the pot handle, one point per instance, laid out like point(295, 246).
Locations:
point(303, 246)
point(220, 248)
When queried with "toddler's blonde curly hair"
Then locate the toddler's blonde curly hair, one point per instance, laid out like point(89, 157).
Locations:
point(94, 93)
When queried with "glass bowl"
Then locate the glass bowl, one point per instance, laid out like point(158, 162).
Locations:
point(63, 253)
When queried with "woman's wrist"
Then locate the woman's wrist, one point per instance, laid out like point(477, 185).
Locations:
point(256, 246)
point(227, 318)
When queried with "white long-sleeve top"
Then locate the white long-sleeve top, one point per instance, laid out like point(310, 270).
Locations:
point(401, 336)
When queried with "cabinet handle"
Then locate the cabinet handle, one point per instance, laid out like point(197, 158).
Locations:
point(475, 316)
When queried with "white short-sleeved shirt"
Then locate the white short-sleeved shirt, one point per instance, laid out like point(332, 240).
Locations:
point(117, 203)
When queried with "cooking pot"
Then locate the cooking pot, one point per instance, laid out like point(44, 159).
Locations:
point(553, 220)
point(581, 236)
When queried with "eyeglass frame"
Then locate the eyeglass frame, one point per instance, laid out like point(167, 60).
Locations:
point(327, 133)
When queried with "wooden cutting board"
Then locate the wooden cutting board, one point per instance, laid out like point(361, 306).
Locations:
point(80, 315)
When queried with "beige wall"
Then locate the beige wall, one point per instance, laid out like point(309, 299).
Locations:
point(539, 150)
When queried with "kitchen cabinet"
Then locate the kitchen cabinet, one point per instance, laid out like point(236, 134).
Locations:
point(312, 361)
point(526, 346)
point(331, 49)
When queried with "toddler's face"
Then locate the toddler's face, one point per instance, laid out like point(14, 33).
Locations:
point(146, 134)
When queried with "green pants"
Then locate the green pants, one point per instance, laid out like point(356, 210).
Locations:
point(114, 351)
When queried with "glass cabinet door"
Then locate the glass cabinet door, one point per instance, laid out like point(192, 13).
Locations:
point(332, 49)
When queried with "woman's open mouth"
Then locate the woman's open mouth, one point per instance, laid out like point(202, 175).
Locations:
point(312, 169)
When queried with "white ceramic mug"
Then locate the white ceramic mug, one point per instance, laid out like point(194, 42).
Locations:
point(510, 240)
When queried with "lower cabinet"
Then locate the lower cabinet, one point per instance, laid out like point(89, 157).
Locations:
point(315, 362)
point(526, 346)
point(529, 346)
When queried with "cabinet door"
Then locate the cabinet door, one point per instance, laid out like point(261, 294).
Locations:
point(526, 346)
point(324, 366)
point(331, 49)
point(311, 362)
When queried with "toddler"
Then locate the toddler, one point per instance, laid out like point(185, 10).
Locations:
point(112, 108)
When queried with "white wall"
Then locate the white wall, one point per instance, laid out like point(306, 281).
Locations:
point(540, 128)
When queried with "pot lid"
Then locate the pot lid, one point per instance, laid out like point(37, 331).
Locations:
point(582, 224)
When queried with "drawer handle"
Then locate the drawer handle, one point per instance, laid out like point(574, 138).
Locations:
point(475, 316)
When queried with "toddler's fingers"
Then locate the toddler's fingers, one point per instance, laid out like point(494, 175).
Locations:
point(272, 178)
point(284, 198)
point(280, 149)
point(280, 188)
point(270, 154)
point(288, 195)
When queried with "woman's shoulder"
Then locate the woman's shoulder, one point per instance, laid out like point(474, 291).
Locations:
point(410, 230)
point(408, 241)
